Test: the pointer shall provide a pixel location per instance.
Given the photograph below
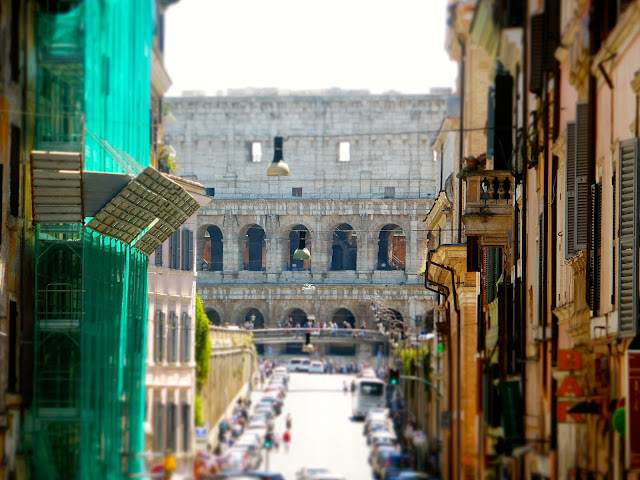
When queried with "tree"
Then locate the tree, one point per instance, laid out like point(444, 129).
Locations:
point(203, 354)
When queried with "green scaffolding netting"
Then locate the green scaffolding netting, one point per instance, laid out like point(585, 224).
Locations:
point(88, 409)
point(94, 70)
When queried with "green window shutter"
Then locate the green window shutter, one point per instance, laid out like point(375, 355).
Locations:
point(511, 405)
point(175, 249)
point(186, 338)
point(158, 431)
point(173, 337)
point(159, 346)
point(582, 176)
point(190, 251)
point(491, 120)
point(490, 397)
point(627, 243)
point(159, 256)
point(171, 427)
point(186, 427)
point(570, 191)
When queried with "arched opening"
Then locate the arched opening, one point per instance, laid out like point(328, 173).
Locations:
point(212, 255)
point(252, 319)
point(344, 318)
point(398, 322)
point(255, 258)
point(214, 317)
point(392, 248)
point(294, 242)
point(296, 318)
point(344, 248)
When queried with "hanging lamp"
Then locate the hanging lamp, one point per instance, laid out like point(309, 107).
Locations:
point(302, 253)
point(278, 167)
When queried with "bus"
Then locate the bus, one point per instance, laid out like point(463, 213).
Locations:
point(369, 393)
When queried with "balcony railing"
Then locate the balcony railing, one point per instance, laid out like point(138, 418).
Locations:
point(488, 212)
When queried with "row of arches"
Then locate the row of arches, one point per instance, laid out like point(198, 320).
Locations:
point(392, 250)
point(343, 317)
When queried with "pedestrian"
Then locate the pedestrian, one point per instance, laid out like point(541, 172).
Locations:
point(286, 439)
point(276, 441)
point(289, 421)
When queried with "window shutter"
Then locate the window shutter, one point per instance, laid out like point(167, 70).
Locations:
point(627, 243)
point(491, 120)
point(14, 172)
point(481, 341)
point(503, 136)
point(615, 238)
point(175, 249)
point(541, 270)
point(159, 347)
point(186, 338)
point(502, 326)
point(571, 191)
point(551, 33)
point(594, 253)
point(173, 337)
point(582, 191)
point(491, 398)
point(536, 45)
point(159, 256)
point(190, 250)
point(171, 427)
point(186, 427)
point(158, 434)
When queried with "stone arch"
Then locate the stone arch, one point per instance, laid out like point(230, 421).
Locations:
point(392, 248)
point(212, 249)
point(344, 248)
point(294, 243)
point(251, 314)
point(214, 317)
point(253, 248)
point(298, 317)
point(343, 315)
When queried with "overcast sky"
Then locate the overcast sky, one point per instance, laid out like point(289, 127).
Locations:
point(377, 45)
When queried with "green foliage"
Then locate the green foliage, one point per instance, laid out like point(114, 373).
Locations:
point(198, 411)
point(171, 164)
point(203, 344)
point(416, 360)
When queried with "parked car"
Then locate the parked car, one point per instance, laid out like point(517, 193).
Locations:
point(293, 364)
point(390, 463)
point(309, 473)
point(408, 475)
point(316, 367)
point(251, 475)
point(377, 427)
point(274, 401)
point(304, 365)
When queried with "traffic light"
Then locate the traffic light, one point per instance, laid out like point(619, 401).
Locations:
point(307, 338)
point(268, 441)
point(394, 375)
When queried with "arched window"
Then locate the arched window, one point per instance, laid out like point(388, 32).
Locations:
point(252, 318)
point(392, 248)
point(212, 255)
point(294, 243)
point(295, 318)
point(344, 318)
point(344, 248)
point(255, 258)
point(214, 317)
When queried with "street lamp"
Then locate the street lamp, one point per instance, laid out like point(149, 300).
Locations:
point(302, 252)
point(278, 167)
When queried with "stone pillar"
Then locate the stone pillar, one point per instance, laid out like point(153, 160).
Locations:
point(230, 247)
point(364, 245)
point(413, 255)
point(320, 247)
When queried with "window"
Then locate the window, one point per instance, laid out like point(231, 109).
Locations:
point(596, 247)
point(389, 192)
point(171, 426)
point(158, 431)
point(187, 249)
point(373, 389)
point(296, 192)
point(159, 256)
point(256, 151)
point(344, 152)
point(186, 338)
point(159, 341)
point(173, 337)
point(211, 192)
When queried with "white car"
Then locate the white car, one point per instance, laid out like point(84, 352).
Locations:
point(304, 365)
point(316, 367)
point(311, 473)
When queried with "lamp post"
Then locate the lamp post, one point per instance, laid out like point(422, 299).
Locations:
point(278, 167)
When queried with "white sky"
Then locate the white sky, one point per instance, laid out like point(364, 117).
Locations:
point(378, 45)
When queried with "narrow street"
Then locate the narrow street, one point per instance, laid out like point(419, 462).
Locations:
point(322, 433)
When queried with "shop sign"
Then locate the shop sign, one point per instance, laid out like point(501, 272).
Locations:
point(569, 388)
point(633, 409)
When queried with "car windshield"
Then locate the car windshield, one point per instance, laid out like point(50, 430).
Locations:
point(370, 388)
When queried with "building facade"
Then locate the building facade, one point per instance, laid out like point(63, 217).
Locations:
point(362, 178)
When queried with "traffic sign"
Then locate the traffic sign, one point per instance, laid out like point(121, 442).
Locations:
point(201, 434)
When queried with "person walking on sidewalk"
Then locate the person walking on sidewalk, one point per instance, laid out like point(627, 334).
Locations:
point(286, 439)
point(289, 421)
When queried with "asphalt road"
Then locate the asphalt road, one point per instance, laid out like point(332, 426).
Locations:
point(322, 433)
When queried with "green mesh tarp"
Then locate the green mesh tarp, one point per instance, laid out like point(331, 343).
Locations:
point(88, 409)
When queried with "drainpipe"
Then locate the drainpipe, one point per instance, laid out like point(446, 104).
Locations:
point(458, 342)
point(461, 130)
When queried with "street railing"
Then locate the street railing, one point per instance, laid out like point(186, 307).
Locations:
point(267, 334)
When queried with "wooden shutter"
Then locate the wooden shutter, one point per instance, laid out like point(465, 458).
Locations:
point(158, 434)
point(570, 191)
point(583, 188)
point(186, 338)
point(541, 269)
point(594, 253)
point(171, 427)
point(175, 249)
point(503, 140)
point(186, 427)
point(173, 337)
point(14, 172)
point(159, 342)
point(159, 256)
point(536, 53)
point(551, 32)
point(614, 228)
point(627, 243)
point(481, 341)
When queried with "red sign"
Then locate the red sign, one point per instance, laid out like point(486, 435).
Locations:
point(633, 407)
point(569, 388)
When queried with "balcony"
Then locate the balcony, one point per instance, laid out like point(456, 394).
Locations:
point(488, 211)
